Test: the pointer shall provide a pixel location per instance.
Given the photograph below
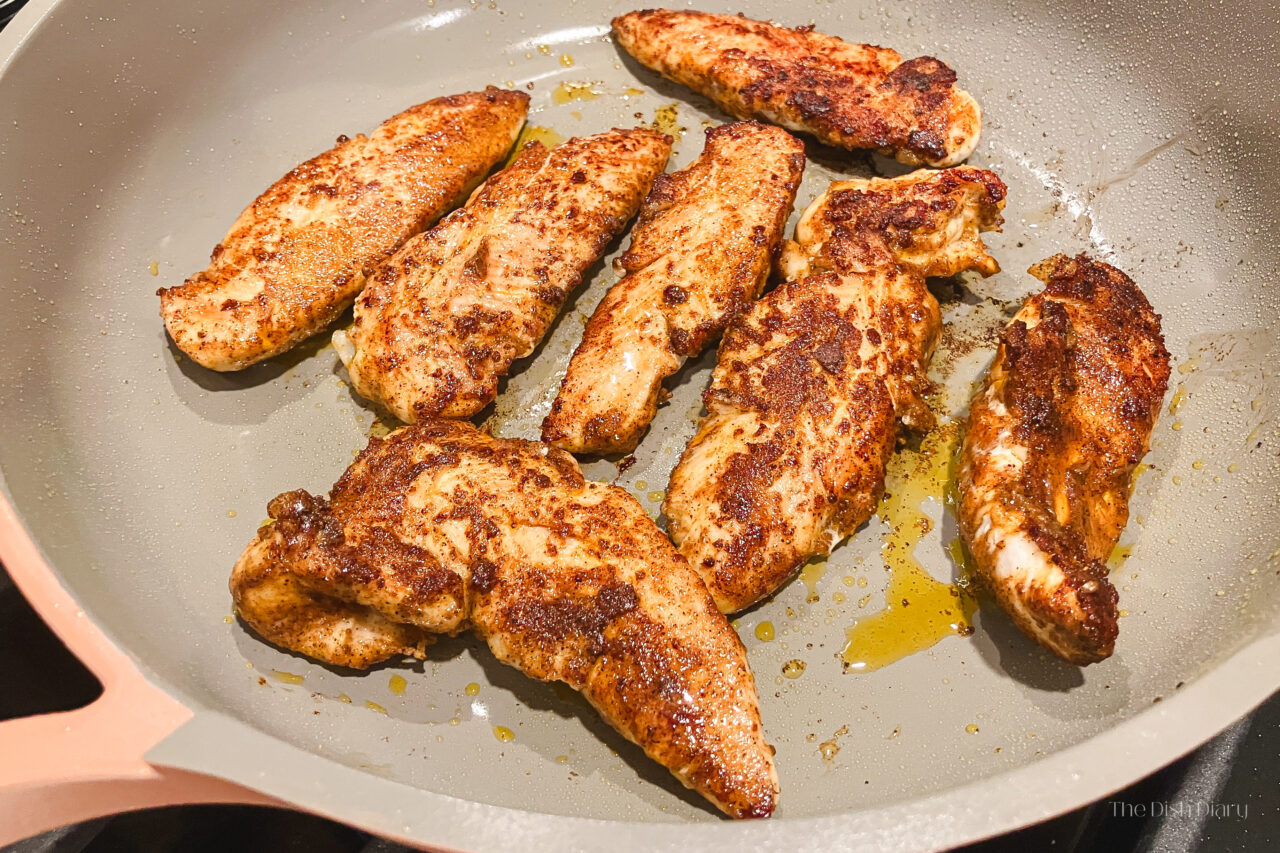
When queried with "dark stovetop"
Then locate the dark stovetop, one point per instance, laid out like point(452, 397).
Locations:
point(1240, 769)
point(9, 8)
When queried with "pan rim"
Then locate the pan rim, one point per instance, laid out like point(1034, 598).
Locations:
point(1018, 797)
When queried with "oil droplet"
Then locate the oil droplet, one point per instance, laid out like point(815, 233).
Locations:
point(847, 580)
point(544, 49)
point(972, 728)
point(453, 721)
point(566, 60)
point(764, 632)
point(381, 428)
point(632, 92)
point(1140, 469)
point(231, 513)
point(641, 485)
point(534, 133)
point(1176, 426)
point(1175, 403)
point(228, 619)
point(665, 120)
point(810, 575)
point(342, 697)
point(504, 734)
point(374, 706)
point(1198, 464)
point(397, 684)
point(828, 749)
point(919, 611)
point(471, 689)
point(793, 668)
point(562, 759)
point(657, 496)
point(1118, 555)
point(1124, 613)
point(153, 268)
point(287, 677)
point(837, 597)
point(1177, 479)
point(566, 92)
point(1232, 468)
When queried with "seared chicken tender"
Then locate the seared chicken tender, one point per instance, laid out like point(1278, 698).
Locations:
point(289, 613)
point(441, 321)
point(1064, 417)
point(699, 255)
point(854, 96)
point(812, 383)
point(440, 527)
point(297, 256)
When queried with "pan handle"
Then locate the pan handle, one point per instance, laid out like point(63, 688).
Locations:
point(63, 768)
point(68, 767)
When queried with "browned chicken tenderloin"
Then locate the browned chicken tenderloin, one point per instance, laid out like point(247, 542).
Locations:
point(812, 382)
point(441, 322)
point(1053, 437)
point(700, 254)
point(853, 96)
point(440, 527)
point(296, 258)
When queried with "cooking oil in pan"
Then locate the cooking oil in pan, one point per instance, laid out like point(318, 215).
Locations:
point(534, 133)
point(667, 120)
point(810, 575)
point(287, 677)
point(919, 611)
point(566, 92)
point(1120, 553)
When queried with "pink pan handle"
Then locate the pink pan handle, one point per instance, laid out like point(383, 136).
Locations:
point(63, 768)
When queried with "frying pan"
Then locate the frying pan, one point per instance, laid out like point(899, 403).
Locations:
point(132, 134)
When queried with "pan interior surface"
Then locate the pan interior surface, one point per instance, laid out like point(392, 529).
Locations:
point(133, 134)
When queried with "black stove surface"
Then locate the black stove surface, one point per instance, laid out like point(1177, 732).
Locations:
point(9, 8)
point(1222, 798)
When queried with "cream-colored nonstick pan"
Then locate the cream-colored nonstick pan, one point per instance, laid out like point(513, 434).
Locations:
point(131, 135)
